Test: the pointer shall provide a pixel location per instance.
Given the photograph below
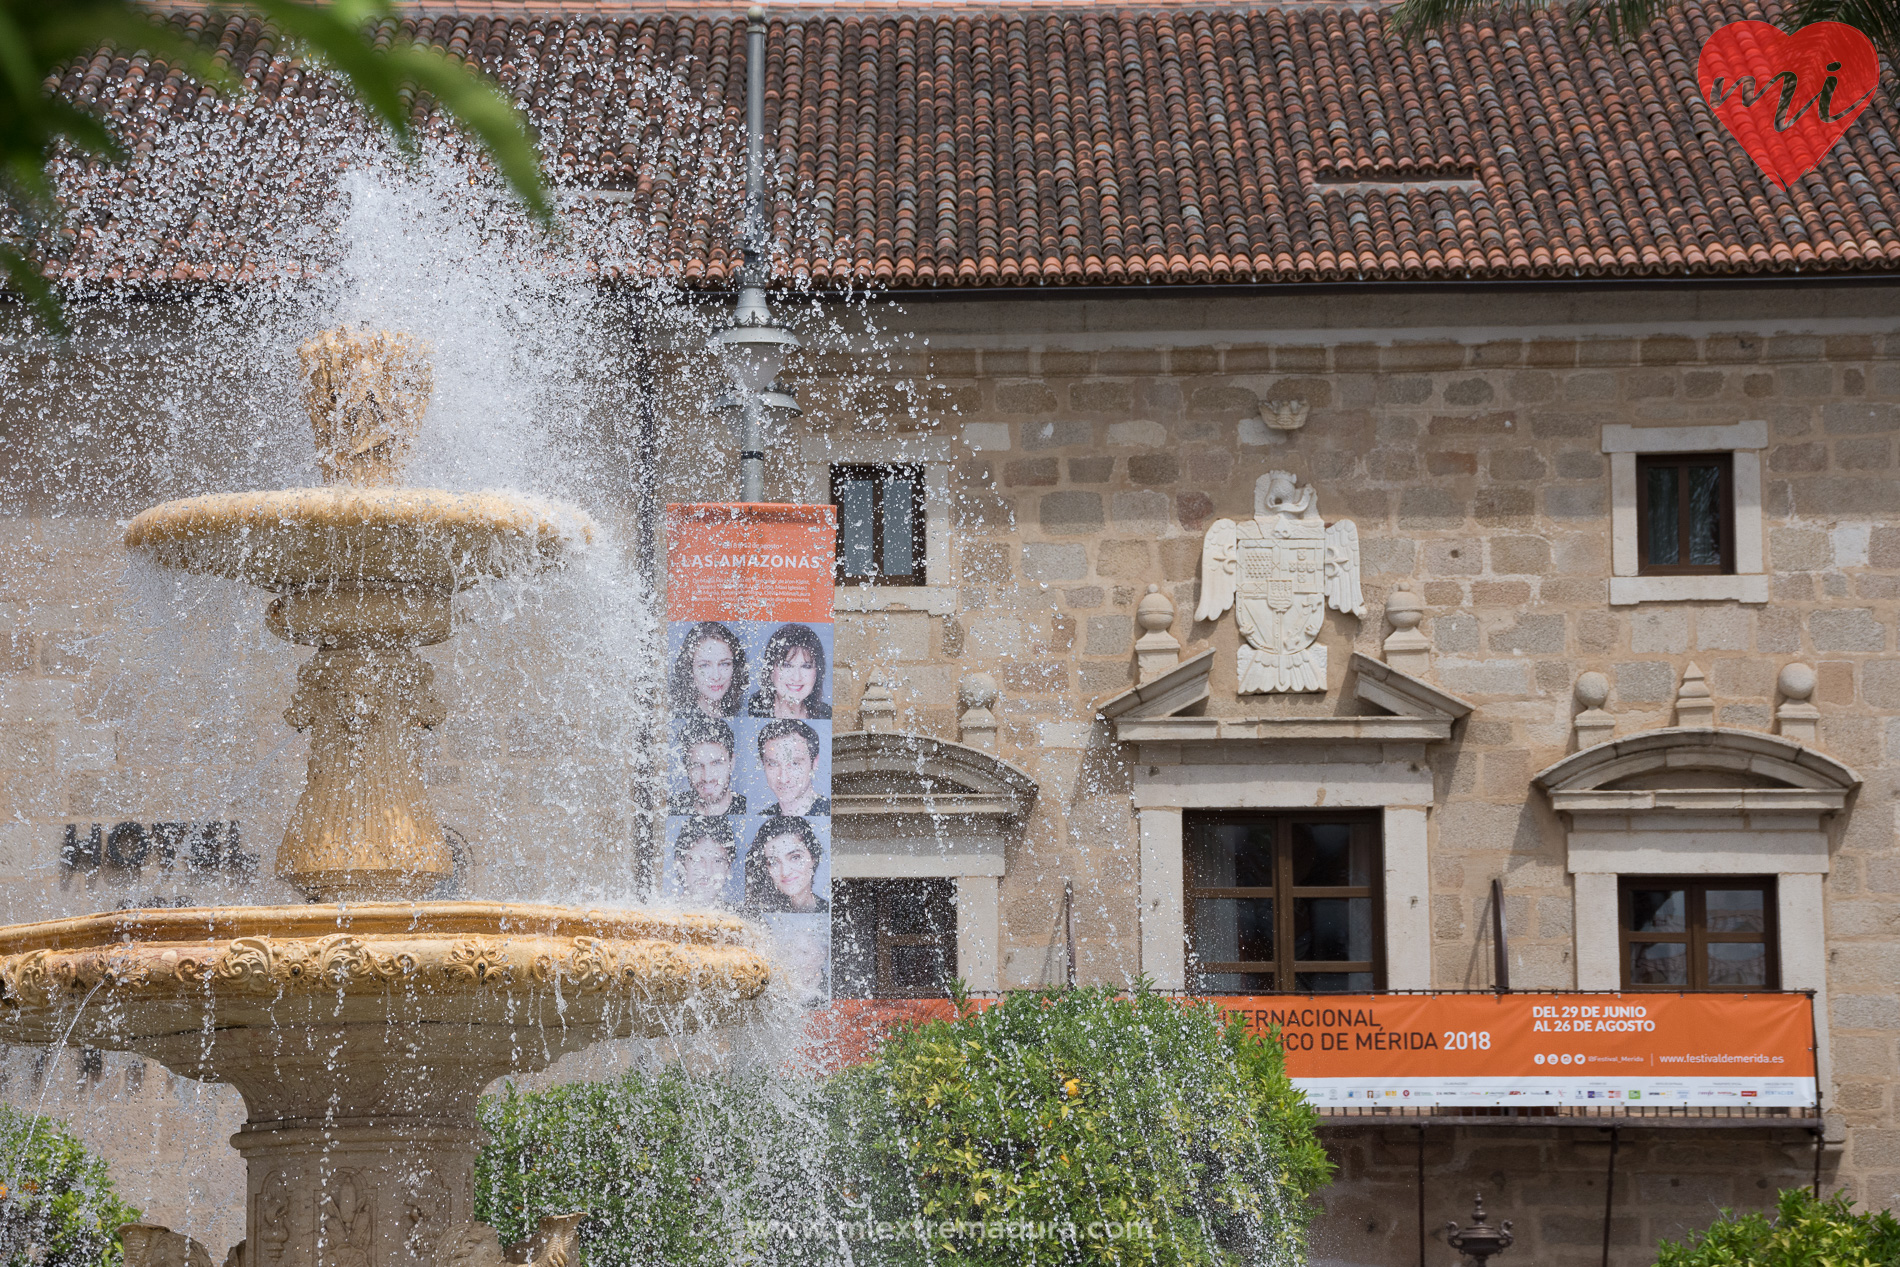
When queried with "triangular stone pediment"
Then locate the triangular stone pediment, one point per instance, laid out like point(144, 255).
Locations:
point(1399, 693)
point(1413, 710)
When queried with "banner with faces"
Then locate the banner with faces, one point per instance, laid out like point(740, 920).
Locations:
point(749, 655)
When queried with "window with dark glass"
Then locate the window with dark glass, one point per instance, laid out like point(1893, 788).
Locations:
point(880, 524)
point(1685, 514)
point(1283, 902)
point(1698, 934)
point(893, 939)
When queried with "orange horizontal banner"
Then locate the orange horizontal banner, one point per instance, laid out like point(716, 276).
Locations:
point(750, 561)
point(1702, 1050)
point(1482, 1050)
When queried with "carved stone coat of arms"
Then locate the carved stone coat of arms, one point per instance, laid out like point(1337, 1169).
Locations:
point(1280, 571)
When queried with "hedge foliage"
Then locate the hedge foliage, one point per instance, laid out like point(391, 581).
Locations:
point(1058, 1127)
point(673, 1168)
point(1083, 1127)
point(1805, 1232)
point(59, 1208)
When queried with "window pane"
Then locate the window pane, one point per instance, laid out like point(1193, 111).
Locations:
point(917, 969)
point(1705, 514)
point(920, 908)
point(1232, 856)
point(857, 542)
point(1324, 855)
point(1664, 515)
point(1659, 963)
point(1332, 928)
point(1735, 911)
point(1658, 911)
point(854, 939)
point(900, 501)
point(1738, 963)
point(1334, 982)
point(1233, 930)
point(1234, 982)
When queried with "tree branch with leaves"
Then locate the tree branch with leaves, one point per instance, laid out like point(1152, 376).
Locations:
point(40, 38)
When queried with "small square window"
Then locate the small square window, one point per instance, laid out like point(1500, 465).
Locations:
point(894, 939)
point(880, 524)
point(1683, 934)
point(1685, 514)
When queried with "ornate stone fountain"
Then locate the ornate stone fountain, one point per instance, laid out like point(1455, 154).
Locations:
point(362, 1028)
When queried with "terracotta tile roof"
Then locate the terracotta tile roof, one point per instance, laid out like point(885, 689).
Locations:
point(1029, 145)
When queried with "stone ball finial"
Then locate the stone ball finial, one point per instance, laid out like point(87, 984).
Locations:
point(1155, 612)
point(1404, 609)
point(1796, 681)
point(977, 690)
point(1592, 689)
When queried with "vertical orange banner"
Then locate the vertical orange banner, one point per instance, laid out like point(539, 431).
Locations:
point(749, 642)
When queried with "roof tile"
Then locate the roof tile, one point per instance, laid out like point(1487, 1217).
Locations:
point(1031, 145)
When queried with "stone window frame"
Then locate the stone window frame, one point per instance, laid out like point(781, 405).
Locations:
point(1743, 442)
point(1782, 830)
point(1356, 761)
point(907, 806)
point(819, 454)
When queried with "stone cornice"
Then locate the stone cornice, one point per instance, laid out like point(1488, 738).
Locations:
point(1398, 692)
point(1281, 730)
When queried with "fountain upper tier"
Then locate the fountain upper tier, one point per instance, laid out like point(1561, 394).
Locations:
point(366, 392)
point(348, 536)
point(364, 571)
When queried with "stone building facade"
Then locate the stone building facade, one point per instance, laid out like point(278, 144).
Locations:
point(1080, 447)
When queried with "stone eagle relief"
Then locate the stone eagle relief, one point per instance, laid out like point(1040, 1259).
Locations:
point(1280, 572)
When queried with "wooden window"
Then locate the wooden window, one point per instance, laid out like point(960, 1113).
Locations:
point(1286, 902)
point(1684, 934)
point(894, 939)
point(880, 524)
point(1685, 514)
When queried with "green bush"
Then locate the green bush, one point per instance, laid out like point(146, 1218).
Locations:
point(59, 1208)
point(1029, 1133)
point(1066, 1110)
point(1805, 1232)
point(672, 1167)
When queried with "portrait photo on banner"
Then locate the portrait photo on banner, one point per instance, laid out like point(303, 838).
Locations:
point(790, 668)
point(712, 765)
point(710, 672)
point(786, 864)
point(787, 768)
point(802, 953)
point(700, 870)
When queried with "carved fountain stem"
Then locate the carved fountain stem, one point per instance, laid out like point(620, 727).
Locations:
point(364, 829)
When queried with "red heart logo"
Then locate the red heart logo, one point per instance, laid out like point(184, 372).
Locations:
point(1787, 98)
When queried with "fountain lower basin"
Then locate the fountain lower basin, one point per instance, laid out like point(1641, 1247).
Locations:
point(361, 1038)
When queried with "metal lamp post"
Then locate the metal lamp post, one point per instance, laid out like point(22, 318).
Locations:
point(752, 348)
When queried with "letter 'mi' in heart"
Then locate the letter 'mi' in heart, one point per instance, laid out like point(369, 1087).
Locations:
point(1787, 98)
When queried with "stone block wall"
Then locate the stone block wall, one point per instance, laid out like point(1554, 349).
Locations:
point(1097, 439)
point(1550, 1184)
